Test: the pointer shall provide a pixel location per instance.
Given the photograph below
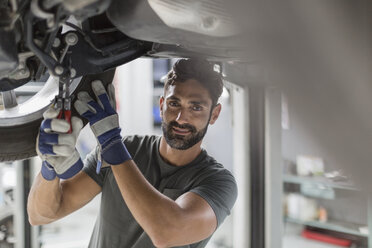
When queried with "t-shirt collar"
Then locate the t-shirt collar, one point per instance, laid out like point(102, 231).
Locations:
point(166, 168)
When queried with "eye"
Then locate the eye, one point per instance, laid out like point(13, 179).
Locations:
point(197, 108)
point(173, 104)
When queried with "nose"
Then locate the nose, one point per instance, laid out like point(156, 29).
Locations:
point(182, 116)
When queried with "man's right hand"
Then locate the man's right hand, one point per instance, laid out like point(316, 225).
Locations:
point(56, 147)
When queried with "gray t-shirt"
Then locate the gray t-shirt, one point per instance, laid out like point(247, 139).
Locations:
point(116, 227)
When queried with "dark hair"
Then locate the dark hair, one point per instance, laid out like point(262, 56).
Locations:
point(199, 70)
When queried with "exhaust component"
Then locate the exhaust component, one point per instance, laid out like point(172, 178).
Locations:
point(209, 17)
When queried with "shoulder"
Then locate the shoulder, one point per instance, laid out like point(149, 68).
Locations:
point(140, 140)
point(141, 146)
point(215, 177)
point(210, 169)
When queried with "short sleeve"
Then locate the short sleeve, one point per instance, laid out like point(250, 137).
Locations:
point(90, 166)
point(220, 191)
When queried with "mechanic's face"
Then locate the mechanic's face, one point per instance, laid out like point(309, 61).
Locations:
point(186, 111)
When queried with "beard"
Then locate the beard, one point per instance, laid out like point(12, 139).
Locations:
point(182, 142)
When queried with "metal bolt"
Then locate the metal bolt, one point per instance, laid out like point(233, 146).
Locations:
point(58, 70)
point(50, 22)
point(71, 39)
point(56, 42)
point(72, 72)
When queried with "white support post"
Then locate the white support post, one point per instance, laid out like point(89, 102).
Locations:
point(273, 170)
point(241, 212)
point(18, 217)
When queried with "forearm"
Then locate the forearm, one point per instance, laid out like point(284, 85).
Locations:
point(44, 200)
point(157, 214)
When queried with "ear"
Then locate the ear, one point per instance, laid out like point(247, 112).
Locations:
point(215, 113)
point(161, 101)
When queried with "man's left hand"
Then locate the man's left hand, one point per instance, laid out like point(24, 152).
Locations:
point(104, 122)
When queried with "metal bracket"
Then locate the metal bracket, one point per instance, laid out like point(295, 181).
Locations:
point(9, 99)
point(22, 70)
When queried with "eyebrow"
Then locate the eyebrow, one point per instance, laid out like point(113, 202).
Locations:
point(173, 98)
point(199, 102)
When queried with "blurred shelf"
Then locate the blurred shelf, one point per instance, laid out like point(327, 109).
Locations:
point(318, 180)
point(338, 226)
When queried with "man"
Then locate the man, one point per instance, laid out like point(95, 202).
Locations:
point(156, 191)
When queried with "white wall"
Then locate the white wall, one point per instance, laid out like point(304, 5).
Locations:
point(219, 138)
point(134, 90)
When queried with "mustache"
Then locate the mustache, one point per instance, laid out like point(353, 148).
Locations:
point(183, 126)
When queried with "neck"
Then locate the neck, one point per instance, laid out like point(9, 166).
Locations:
point(178, 157)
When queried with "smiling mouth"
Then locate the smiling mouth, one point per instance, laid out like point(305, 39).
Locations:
point(181, 131)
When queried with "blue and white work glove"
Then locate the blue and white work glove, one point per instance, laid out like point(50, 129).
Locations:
point(56, 147)
point(104, 122)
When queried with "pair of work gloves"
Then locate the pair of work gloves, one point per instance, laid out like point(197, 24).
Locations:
point(56, 143)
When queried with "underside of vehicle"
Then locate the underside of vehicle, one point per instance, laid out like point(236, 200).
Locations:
point(45, 41)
